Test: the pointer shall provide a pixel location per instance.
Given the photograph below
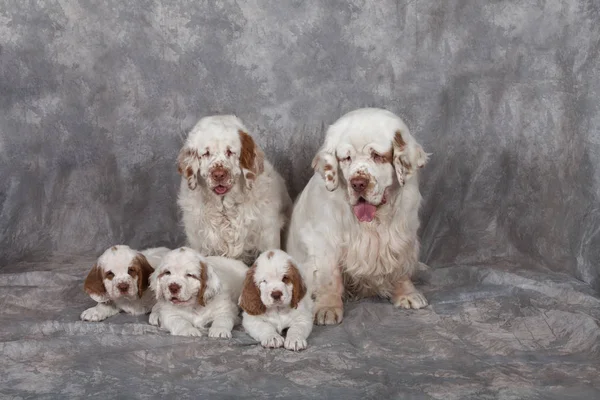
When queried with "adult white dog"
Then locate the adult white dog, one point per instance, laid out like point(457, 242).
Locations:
point(354, 227)
point(234, 203)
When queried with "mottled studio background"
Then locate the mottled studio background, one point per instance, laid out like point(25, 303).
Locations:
point(96, 97)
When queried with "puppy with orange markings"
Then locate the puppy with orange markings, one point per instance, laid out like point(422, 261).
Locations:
point(119, 282)
point(274, 298)
point(193, 291)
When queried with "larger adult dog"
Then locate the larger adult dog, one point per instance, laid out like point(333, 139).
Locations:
point(234, 203)
point(354, 227)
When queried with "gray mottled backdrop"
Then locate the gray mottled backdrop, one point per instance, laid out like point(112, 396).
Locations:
point(96, 97)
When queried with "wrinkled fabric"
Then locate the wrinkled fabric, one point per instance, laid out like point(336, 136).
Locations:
point(96, 98)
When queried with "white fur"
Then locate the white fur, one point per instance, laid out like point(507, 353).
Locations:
point(188, 318)
point(343, 256)
point(279, 315)
point(117, 260)
point(246, 220)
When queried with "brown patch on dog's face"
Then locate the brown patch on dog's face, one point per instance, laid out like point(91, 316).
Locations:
point(250, 298)
point(270, 255)
point(141, 268)
point(94, 283)
point(298, 286)
point(399, 141)
point(203, 283)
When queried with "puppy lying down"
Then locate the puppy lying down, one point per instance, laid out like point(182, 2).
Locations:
point(193, 291)
point(274, 299)
point(119, 282)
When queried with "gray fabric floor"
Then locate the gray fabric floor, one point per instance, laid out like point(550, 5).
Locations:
point(95, 98)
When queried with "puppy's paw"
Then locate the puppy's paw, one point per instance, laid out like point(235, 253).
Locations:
point(186, 331)
point(328, 315)
point(295, 343)
point(153, 319)
point(273, 342)
point(414, 300)
point(93, 315)
point(219, 333)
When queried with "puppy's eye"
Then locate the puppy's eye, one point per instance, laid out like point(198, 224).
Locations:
point(229, 153)
point(190, 275)
point(109, 275)
point(206, 154)
point(286, 280)
point(131, 271)
point(346, 159)
point(167, 273)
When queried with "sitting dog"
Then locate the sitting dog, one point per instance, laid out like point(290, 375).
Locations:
point(233, 202)
point(354, 227)
point(193, 291)
point(119, 282)
point(273, 299)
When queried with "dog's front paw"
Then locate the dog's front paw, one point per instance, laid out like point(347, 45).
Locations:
point(414, 300)
point(219, 333)
point(93, 315)
point(153, 319)
point(295, 343)
point(273, 342)
point(186, 331)
point(326, 315)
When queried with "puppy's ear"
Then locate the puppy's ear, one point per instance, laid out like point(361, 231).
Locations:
point(143, 270)
point(298, 286)
point(252, 159)
point(408, 157)
point(210, 284)
point(250, 298)
point(94, 285)
point(187, 166)
point(326, 164)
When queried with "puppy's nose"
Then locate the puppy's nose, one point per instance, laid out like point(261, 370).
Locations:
point(359, 184)
point(276, 294)
point(123, 287)
point(174, 288)
point(219, 174)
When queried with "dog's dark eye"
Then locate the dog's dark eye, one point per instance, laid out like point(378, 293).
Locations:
point(286, 280)
point(167, 273)
point(229, 153)
point(131, 271)
point(206, 154)
point(346, 159)
point(190, 275)
point(109, 275)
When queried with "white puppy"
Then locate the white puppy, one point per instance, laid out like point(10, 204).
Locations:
point(118, 282)
point(194, 291)
point(273, 299)
point(233, 201)
point(354, 227)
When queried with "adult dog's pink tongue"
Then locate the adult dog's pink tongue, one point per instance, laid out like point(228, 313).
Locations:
point(364, 211)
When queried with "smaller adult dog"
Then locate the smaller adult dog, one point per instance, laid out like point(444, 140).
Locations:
point(193, 291)
point(233, 201)
point(273, 299)
point(119, 282)
point(354, 227)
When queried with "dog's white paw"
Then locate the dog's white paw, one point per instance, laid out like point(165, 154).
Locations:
point(186, 331)
point(273, 342)
point(414, 300)
point(295, 343)
point(93, 315)
point(329, 315)
point(219, 333)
